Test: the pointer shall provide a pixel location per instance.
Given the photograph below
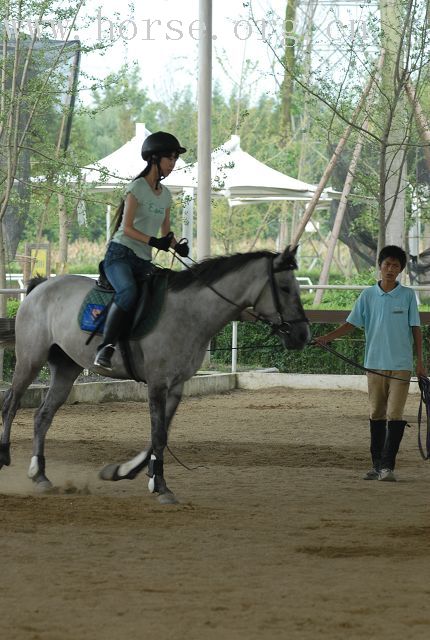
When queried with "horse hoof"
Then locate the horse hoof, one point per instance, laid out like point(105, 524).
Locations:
point(109, 472)
point(4, 455)
point(167, 498)
point(44, 486)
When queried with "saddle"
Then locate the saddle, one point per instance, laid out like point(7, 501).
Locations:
point(150, 303)
point(145, 315)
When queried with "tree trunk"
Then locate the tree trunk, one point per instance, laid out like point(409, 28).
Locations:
point(422, 123)
point(335, 157)
point(63, 234)
point(3, 298)
point(339, 215)
point(289, 66)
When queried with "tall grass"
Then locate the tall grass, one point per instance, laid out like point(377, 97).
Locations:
point(83, 256)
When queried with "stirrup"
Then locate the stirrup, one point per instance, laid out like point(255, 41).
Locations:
point(104, 356)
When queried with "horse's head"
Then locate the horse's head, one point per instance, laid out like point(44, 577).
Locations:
point(280, 304)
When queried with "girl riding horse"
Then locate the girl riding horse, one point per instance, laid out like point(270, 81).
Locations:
point(144, 210)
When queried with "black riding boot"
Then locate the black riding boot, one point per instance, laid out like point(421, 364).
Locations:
point(113, 327)
point(378, 432)
point(396, 429)
point(377, 439)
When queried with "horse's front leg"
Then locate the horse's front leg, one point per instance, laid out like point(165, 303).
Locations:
point(160, 420)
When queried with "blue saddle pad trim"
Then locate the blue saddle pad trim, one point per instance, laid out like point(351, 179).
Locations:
point(94, 306)
point(90, 320)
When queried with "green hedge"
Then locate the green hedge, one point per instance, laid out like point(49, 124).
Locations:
point(9, 354)
point(258, 348)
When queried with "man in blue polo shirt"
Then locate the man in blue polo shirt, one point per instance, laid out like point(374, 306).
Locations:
point(388, 313)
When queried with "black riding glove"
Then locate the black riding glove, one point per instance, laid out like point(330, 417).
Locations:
point(161, 243)
point(182, 248)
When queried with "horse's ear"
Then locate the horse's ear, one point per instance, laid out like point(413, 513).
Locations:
point(286, 260)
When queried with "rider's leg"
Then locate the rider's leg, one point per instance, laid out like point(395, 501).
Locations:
point(125, 271)
point(121, 277)
point(112, 330)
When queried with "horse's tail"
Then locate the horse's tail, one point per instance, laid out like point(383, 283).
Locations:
point(34, 282)
point(7, 325)
point(7, 331)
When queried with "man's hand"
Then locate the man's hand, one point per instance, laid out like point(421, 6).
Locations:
point(421, 371)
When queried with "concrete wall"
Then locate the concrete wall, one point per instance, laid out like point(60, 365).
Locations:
point(128, 390)
point(265, 380)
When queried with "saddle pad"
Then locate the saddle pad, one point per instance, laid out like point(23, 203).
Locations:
point(147, 311)
point(94, 306)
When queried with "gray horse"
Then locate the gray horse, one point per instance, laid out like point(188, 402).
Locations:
point(198, 303)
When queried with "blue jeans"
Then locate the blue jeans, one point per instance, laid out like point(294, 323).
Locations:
point(125, 271)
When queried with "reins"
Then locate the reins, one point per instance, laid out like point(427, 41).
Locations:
point(424, 385)
point(326, 347)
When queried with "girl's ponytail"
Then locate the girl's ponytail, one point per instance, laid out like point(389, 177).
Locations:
point(117, 219)
point(119, 214)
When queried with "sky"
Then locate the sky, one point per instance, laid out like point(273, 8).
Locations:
point(162, 37)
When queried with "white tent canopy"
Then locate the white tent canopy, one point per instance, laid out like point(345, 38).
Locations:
point(236, 176)
point(242, 179)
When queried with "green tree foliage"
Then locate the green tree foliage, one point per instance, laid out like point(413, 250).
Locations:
point(110, 120)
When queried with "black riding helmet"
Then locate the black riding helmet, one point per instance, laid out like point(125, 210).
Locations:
point(160, 143)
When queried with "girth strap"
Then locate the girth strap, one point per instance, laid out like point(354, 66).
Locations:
point(129, 360)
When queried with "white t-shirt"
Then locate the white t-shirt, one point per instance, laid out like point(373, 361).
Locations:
point(150, 214)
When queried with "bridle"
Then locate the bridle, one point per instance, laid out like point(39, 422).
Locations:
point(281, 328)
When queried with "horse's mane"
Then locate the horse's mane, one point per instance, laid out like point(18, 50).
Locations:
point(34, 282)
point(210, 270)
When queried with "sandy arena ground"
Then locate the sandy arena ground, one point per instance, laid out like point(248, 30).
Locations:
point(276, 536)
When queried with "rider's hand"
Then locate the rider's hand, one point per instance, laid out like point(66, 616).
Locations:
point(322, 340)
point(161, 243)
point(182, 248)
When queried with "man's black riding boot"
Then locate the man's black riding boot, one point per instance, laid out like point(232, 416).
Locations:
point(113, 327)
point(378, 432)
point(396, 429)
point(377, 439)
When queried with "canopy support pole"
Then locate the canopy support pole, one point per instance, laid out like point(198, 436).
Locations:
point(204, 130)
point(108, 216)
point(188, 219)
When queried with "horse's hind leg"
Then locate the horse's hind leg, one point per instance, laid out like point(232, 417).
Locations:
point(64, 372)
point(25, 372)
